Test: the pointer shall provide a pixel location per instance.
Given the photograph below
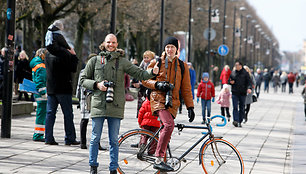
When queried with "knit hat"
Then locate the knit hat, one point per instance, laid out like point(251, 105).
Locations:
point(171, 40)
point(205, 74)
point(58, 24)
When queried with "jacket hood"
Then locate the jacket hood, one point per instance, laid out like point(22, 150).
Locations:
point(35, 61)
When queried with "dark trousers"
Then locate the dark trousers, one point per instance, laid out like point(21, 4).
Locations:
point(65, 100)
point(238, 100)
point(247, 109)
point(223, 109)
point(290, 88)
point(83, 130)
point(305, 109)
point(266, 86)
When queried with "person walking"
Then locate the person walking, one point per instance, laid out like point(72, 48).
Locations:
point(23, 71)
point(304, 96)
point(249, 97)
point(284, 79)
point(275, 81)
point(258, 78)
point(225, 74)
point(39, 77)
point(215, 76)
point(291, 79)
point(224, 100)
point(266, 78)
point(206, 90)
point(104, 75)
point(172, 77)
point(60, 64)
point(193, 80)
point(241, 85)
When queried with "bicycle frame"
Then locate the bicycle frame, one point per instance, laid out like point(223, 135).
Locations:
point(180, 128)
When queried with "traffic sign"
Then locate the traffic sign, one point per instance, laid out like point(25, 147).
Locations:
point(223, 50)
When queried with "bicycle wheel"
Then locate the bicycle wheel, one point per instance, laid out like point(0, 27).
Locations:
point(221, 157)
point(130, 159)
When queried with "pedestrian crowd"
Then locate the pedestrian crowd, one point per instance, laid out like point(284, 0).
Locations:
point(163, 85)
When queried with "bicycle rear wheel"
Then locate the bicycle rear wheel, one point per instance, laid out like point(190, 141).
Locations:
point(130, 159)
point(221, 157)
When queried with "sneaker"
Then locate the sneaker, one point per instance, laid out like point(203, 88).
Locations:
point(83, 146)
point(235, 123)
point(72, 143)
point(245, 120)
point(239, 125)
point(40, 140)
point(113, 172)
point(163, 167)
point(93, 169)
point(51, 143)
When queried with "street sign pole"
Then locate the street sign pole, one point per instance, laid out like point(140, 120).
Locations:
point(8, 69)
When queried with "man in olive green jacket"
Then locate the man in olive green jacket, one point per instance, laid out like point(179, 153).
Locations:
point(109, 66)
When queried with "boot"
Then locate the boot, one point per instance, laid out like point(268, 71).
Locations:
point(83, 130)
point(93, 169)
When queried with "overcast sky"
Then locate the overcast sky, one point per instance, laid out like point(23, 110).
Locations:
point(286, 18)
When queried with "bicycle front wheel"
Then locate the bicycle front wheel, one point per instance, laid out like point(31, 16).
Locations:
point(220, 156)
point(131, 160)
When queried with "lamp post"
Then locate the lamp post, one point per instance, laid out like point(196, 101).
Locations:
point(246, 39)
point(224, 23)
point(241, 30)
point(113, 17)
point(233, 44)
point(8, 69)
point(209, 34)
point(161, 30)
point(189, 31)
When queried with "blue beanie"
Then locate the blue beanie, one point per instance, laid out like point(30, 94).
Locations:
point(205, 74)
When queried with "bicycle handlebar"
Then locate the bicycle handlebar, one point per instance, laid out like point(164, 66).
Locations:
point(223, 119)
point(182, 126)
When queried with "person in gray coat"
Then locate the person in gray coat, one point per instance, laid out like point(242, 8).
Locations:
point(249, 97)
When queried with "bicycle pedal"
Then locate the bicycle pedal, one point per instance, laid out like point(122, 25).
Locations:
point(184, 160)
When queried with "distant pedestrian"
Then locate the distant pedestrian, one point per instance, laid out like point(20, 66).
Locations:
point(193, 80)
point(60, 64)
point(241, 85)
point(258, 78)
point(206, 90)
point(224, 100)
point(215, 76)
point(266, 78)
point(291, 79)
point(84, 95)
point(275, 81)
point(297, 81)
point(284, 79)
point(148, 121)
point(304, 96)
point(249, 97)
point(23, 71)
point(2, 58)
point(39, 77)
point(146, 59)
point(225, 74)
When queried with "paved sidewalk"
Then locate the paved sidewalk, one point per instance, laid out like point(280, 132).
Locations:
point(272, 141)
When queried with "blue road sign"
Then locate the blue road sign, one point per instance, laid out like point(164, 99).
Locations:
point(223, 50)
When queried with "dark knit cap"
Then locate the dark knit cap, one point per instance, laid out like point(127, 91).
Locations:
point(171, 40)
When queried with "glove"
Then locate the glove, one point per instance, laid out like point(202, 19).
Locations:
point(190, 114)
point(163, 86)
point(198, 99)
point(213, 99)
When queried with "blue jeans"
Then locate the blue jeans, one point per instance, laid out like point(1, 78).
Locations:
point(266, 86)
point(238, 100)
point(65, 100)
point(206, 104)
point(113, 132)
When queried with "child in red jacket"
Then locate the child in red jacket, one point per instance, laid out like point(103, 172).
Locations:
point(147, 121)
point(206, 90)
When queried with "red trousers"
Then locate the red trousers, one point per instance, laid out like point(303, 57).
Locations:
point(165, 134)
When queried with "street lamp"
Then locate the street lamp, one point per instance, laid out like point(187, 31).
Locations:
point(161, 30)
point(189, 31)
point(234, 30)
point(246, 38)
